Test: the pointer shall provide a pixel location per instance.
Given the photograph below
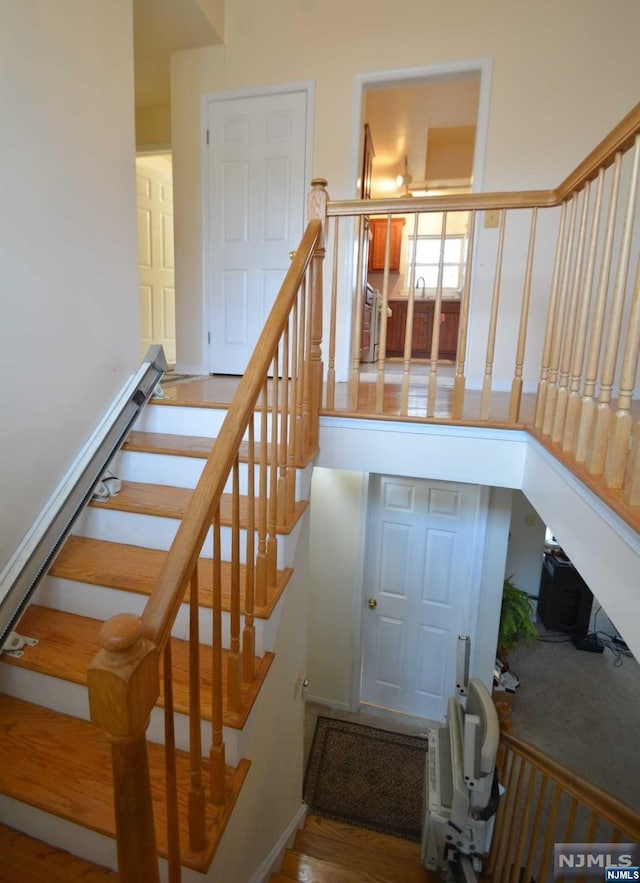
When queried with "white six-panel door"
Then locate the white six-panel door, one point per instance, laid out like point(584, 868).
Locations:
point(155, 259)
point(422, 573)
point(256, 179)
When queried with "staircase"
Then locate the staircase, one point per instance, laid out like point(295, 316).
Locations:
point(56, 771)
point(333, 852)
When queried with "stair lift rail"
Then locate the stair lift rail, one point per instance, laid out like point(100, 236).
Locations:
point(33, 557)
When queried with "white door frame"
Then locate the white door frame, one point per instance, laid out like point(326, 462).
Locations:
point(478, 555)
point(483, 66)
point(307, 86)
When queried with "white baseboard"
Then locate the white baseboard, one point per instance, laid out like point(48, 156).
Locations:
point(271, 863)
point(184, 368)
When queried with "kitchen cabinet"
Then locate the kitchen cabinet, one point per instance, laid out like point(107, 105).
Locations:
point(378, 227)
point(423, 314)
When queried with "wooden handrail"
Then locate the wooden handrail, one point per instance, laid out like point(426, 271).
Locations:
point(161, 608)
point(614, 811)
point(602, 156)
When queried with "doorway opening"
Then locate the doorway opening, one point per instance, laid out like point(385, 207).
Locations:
point(156, 267)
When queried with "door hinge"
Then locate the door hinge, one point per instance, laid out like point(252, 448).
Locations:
point(208, 337)
point(207, 137)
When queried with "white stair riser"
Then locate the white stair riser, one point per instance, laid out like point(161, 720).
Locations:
point(176, 471)
point(179, 420)
point(73, 699)
point(155, 532)
point(100, 602)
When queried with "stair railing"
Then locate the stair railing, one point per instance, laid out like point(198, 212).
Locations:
point(545, 804)
point(276, 410)
point(587, 349)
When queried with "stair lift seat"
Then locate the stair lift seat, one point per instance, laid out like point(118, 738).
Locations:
point(461, 782)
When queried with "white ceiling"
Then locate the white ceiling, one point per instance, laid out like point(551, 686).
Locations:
point(399, 116)
point(159, 28)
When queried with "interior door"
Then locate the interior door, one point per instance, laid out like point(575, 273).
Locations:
point(422, 576)
point(257, 186)
point(155, 256)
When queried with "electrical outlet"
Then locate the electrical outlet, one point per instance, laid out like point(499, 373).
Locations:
point(492, 218)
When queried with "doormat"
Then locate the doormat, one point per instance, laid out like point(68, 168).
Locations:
point(367, 777)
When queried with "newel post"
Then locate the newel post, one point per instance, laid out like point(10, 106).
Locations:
point(123, 681)
point(316, 208)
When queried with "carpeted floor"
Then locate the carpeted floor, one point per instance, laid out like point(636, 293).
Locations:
point(368, 777)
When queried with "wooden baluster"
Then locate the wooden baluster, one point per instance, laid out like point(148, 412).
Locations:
point(173, 830)
point(331, 372)
point(523, 827)
point(534, 838)
point(382, 340)
point(261, 557)
point(485, 399)
point(127, 665)
point(571, 820)
point(620, 437)
point(588, 403)
point(306, 375)
point(552, 311)
point(574, 403)
point(293, 429)
point(461, 353)
point(631, 489)
point(249, 631)
point(234, 662)
point(557, 337)
point(356, 323)
point(516, 386)
point(435, 333)
point(504, 814)
point(570, 326)
point(197, 838)
point(272, 527)
point(217, 750)
point(316, 208)
point(302, 326)
point(516, 814)
point(598, 454)
point(283, 476)
point(550, 835)
point(408, 331)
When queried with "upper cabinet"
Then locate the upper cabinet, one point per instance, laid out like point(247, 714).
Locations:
point(378, 228)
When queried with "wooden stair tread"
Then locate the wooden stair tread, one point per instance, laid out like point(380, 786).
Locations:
point(68, 643)
point(136, 569)
point(352, 835)
point(167, 501)
point(306, 868)
point(357, 855)
point(27, 860)
point(62, 765)
point(197, 446)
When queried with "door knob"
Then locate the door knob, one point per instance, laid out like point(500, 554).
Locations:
point(292, 255)
point(372, 603)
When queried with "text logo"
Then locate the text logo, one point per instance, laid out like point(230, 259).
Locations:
point(592, 860)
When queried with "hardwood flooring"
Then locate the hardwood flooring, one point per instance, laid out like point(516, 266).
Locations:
point(325, 851)
point(25, 860)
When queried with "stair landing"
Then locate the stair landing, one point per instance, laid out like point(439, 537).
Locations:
point(25, 860)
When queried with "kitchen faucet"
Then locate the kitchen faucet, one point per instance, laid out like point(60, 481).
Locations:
point(424, 285)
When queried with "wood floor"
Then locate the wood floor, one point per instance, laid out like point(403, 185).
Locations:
point(325, 851)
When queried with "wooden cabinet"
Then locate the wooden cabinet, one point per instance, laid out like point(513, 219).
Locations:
point(423, 313)
point(378, 227)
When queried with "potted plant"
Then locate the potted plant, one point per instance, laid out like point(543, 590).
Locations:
point(515, 619)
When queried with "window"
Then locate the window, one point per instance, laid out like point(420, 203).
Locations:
point(428, 260)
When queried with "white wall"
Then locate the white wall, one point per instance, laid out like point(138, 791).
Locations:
point(561, 79)
point(526, 545)
point(68, 288)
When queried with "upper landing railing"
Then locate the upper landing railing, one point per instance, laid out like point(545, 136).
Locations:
point(548, 301)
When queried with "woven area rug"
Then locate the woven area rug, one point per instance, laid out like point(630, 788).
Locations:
point(368, 777)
